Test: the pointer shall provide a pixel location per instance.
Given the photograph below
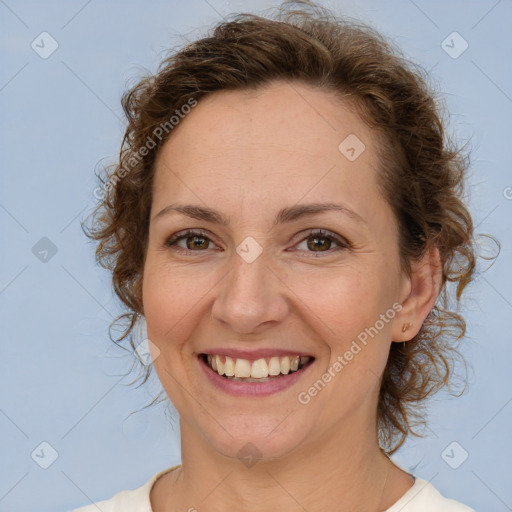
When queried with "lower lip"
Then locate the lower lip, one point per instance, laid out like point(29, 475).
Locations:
point(252, 389)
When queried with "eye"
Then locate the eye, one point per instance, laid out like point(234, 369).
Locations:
point(198, 240)
point(316, 241)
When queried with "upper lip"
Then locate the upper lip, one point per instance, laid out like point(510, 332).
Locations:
point(252, 355)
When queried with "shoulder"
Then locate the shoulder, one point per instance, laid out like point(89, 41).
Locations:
point(131, 500)
point(424, 497)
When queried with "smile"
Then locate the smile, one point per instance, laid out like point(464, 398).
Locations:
point(260, 377)
point(260, 370)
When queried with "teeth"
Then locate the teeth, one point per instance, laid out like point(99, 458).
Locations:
point(220, 365)
point(259, 369)
point(229, 367)
point(274, 366)
point(242, 368)
point(285, 365)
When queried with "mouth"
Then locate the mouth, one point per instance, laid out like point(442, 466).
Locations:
point(258, 371)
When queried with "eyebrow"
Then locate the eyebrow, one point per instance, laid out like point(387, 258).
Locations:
point(287, 214)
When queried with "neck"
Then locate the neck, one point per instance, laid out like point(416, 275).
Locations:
point(339, 472)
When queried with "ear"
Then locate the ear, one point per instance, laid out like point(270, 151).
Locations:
point(419, 292)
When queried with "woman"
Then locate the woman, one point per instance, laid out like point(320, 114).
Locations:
point(284, 217)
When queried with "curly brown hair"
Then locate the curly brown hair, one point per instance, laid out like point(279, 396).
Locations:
point(421, 176)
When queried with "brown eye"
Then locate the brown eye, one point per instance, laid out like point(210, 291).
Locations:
point(195, 241)
point(318, 241)
point(321, 241)
point(198, 242)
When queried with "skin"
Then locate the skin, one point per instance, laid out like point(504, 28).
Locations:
point(247, 154)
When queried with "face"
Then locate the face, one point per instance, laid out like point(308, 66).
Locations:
point(262, 285)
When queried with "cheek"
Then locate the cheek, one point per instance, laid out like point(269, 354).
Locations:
point(358, 311)
point(168, 298)
point(165, 309)
point(176, 299)
point(352, 297)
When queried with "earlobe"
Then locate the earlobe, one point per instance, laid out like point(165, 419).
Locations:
point(406, 326)
point(424, 286)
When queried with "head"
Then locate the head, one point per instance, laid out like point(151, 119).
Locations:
point(273, 114)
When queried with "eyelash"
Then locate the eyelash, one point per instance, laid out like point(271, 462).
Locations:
point(171, 241)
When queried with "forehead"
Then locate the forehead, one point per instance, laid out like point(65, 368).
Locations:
point(276, 143)
point(275, 116)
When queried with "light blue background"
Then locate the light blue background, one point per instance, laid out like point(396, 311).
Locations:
point(61, 117)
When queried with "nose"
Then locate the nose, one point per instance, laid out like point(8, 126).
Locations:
point(252, 296)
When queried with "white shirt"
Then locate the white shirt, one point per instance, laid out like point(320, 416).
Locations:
point(421, 497)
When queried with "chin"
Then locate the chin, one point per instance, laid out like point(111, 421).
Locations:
point(266, 438)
